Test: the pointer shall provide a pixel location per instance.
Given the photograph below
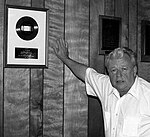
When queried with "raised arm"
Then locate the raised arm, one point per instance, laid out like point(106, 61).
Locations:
point(61, 52)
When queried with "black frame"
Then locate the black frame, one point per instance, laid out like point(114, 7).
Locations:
point(109, 33)
point(27, 50)
point(145, 41)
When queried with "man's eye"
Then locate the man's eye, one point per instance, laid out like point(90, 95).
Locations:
point(124, 69)
point(113, 70)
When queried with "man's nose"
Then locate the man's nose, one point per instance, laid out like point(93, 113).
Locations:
point(119, 73)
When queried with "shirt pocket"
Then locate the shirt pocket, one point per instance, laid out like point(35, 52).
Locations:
point(107, 120)
point(130, 126)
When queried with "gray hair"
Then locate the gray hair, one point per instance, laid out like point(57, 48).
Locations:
point(119, 53)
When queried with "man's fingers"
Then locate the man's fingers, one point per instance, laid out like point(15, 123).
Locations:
point(62, 43)
point(55, 46)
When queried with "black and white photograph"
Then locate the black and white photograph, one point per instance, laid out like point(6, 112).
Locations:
point(74, 68)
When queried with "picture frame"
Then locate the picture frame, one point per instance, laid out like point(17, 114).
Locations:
point(109, 33)
point(145, 41)
point(26, 37)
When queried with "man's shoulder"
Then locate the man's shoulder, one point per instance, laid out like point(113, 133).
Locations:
point(92, 70)
point(144, 84)
point(99, 77)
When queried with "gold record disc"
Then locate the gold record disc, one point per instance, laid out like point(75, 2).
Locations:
point(27, 28)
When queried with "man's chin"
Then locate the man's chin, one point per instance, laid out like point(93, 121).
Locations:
point(120, 88)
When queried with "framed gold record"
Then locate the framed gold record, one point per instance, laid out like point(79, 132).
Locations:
point(26, 36)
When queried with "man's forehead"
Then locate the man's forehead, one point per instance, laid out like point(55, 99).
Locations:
point(124, 60)
point(119, 54)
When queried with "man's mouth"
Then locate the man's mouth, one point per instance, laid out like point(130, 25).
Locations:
point(119, 81)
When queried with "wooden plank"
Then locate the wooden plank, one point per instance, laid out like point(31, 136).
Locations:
point(53, 76)
point(109, 8)
point(1, 66)
point(96, 9)
point(16, 96)
point(36, 103)
point(75, 99)
point(16, 104)
point(143, 13)
point(133, 25)
point(38, 3)
point(121, 10)
point(95, 117)
point(19, 2)
point(36, 93)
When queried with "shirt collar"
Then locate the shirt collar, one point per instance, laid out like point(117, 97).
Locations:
point(134, 90)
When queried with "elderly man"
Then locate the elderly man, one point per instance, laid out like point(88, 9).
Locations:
point(125, 97)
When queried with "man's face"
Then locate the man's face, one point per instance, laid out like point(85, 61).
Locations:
point(122, 74)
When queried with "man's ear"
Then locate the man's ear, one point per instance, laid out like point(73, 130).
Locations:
point(135, 70)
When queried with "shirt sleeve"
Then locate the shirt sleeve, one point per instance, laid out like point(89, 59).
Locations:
point(145, 115)
point(97, 84)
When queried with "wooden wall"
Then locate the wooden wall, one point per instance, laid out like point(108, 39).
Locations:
point(143, 13)
point(32, 99)
point(75, 100)
point(52, 102)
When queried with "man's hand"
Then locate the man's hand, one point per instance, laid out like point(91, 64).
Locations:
point(61, 50)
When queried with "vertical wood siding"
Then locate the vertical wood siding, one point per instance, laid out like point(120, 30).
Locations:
point(1, 65)
point(143, 13)
point(121, 10)
point(96, 61)
point(53, 76)
point(96, 9)
point(36, 94)
point(16, 96)
point(16, 103)
point(109, 7)
point(36, 103)
point(133, 24)
point(75, 100)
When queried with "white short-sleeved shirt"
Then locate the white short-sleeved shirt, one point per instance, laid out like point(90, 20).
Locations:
point(126, 116)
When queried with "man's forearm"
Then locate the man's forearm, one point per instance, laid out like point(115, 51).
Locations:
point(77, 68)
